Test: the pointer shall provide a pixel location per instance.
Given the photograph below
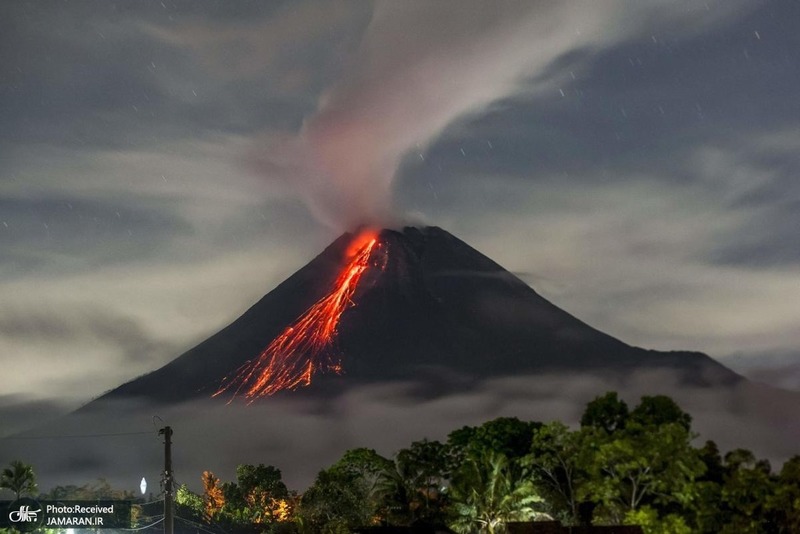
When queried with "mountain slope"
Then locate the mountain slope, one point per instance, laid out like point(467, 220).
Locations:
point(439, 336)
point(429, 305)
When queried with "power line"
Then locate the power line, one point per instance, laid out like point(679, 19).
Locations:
point(77, 436)
point(198, 526)
point(210, 519)
point(148, 502)
point(143, 528)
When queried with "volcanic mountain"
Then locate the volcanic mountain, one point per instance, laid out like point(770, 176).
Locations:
point(425, 306)
point(386, 338)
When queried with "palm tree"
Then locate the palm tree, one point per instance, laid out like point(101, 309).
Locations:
point(488, 492)
point(19, 478)
point(412, 487)
point(396, 494)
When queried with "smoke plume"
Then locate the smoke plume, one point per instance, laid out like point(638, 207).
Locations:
point(423, 66)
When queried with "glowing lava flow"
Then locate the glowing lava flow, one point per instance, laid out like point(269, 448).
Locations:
point(299, 351)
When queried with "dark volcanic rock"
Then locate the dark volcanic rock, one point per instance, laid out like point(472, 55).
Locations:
point(440, 336)
point(432, 307)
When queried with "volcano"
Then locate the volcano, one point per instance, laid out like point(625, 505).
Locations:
point(385, 338)
point(424, 306)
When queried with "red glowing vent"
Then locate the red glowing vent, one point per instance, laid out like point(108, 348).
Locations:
point(305, 347)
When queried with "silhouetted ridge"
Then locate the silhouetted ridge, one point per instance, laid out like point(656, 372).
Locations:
point(430, 306)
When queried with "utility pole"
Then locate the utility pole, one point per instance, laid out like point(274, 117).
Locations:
point(168, 519)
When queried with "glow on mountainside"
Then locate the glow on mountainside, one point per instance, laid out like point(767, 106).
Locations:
point(304, 347)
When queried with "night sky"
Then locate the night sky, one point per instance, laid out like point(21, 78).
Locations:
point(165, 164)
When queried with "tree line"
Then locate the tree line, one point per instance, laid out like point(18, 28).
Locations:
point(621, 466)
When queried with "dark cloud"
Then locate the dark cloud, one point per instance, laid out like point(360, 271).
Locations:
point(785, 376)
point(86, 324)
point(76, 350)
point(640, 106)
point(20, 412)
point(779, 368)
point(120, 76)
point(769, 239)
point(79, 85)
point(72, 233)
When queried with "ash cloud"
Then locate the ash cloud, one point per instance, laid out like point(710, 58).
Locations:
point(415, 75)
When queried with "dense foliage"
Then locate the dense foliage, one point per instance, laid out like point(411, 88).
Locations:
point(621, 466)
point(19, 479)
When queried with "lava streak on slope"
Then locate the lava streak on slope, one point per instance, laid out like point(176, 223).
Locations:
point(305, 347)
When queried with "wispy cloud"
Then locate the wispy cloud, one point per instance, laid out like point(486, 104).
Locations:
point(414, 76)
point(313, 433)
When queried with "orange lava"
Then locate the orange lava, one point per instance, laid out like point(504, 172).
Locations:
point(303, 348)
